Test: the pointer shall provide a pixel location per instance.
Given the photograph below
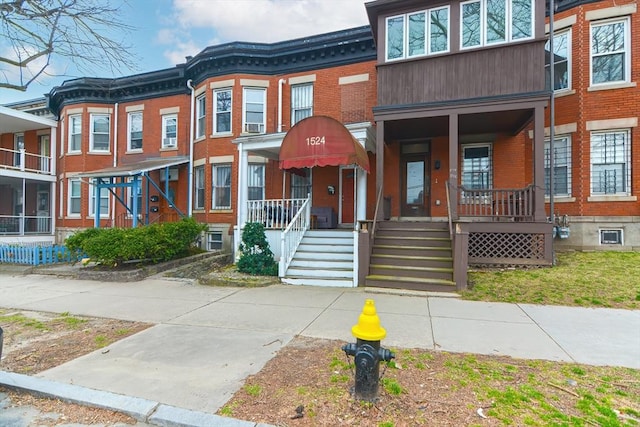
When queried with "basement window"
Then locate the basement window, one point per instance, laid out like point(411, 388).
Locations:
point(214, 240)
point(611, 237)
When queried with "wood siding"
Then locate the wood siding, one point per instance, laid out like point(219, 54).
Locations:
point(491, 72)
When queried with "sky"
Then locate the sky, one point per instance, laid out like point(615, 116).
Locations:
point(166, 31)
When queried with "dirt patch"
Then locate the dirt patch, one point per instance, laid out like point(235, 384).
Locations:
point(37, 341)
point(309, 383)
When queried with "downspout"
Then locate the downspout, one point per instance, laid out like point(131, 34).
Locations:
point(115, 163)
point(191, 142)
point(281, 82)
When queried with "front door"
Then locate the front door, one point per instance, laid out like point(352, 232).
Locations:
point(347, 196)
point(415, 185)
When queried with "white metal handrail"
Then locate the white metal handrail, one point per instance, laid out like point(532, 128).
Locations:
point(292, 236)
point(273, 213)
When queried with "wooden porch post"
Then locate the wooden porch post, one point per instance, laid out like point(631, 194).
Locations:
point(538, 164)
point(453, 164)
point(379, 163)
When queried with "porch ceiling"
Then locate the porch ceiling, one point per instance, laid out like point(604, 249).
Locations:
point(494, 122)
point(14, 121)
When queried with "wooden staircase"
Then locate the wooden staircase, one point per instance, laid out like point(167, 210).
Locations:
point(323, 258)
point(414, 255)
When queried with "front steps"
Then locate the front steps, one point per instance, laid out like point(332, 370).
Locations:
point(323, 258)
point(412, 255)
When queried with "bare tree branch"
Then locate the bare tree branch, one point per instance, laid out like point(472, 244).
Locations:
point(90, 34)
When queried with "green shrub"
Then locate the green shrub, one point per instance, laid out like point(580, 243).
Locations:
point(151, 243)
point(256, 258)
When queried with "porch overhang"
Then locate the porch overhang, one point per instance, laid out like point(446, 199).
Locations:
point(14, 121)
point(138, 168)
point(321, 141)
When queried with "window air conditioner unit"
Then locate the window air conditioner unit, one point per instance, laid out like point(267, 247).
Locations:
point(169, 142)
point(253, 127)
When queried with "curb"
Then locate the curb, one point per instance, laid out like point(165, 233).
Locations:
point(142, 410)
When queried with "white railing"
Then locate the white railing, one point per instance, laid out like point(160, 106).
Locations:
point(292, 236)
point(273, 213)
point(23, 161)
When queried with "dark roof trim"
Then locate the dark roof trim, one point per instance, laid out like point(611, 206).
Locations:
point(309, 53)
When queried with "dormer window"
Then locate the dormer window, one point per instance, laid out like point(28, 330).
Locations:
point(420, 33)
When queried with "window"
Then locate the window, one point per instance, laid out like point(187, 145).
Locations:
point(18, 146)
point(611, 237)
point(99, 138)
point(610, 53)
point(255, 181)
point(561, 169)
point(169, 131)
point(73, 204)
point(301, 102)
point(221, 188)
point(561, 62)
point(610, 162)
point(222, 111)
point(486, 22)
point(198, 182)
point(477, 171)
point(200, 115)
point(301, 184)
point(135, 131)
point(75, 133)
point(253, 110)
point(104, 200)
point(418, 33)
point(214, 240)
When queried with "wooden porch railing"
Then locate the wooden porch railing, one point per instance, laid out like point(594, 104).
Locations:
point(505, 204)
point(24, 161)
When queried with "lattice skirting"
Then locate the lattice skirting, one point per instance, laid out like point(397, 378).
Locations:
point(506, 249)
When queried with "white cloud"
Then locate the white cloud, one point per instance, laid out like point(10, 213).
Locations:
point(269, 20)
point(180, 50)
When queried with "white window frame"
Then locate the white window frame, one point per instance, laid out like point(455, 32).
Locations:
point(565, 33)
point(93, 133)
point(426, 36)
point(509, 36)
point(72, 120)
point(169, 139)
point(626, 51)
point(464, 147)
point(71, 196)
point(130, 131)
point(299, 105)
point(201, 111)
point(214, 185)
point(217, 112)
point(211, 241)
point(199, 187)
point(626, 157)
point(567, 164)
point(255, 182)
point(104, 194)
point(254, 126)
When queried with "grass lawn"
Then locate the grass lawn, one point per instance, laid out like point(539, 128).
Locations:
point(584, 279)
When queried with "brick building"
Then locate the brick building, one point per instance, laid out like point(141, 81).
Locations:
point(455, 123)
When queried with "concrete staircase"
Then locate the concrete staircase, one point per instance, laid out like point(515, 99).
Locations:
point(413, 255)
point(324, 258)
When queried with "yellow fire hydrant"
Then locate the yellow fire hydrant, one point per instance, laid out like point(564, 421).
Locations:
point(367, 352)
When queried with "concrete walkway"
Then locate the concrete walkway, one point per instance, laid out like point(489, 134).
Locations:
point(207, 340)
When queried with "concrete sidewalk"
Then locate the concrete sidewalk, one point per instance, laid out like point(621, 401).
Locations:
point(208, 340)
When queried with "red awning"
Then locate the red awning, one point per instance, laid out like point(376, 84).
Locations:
point(321, 141)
